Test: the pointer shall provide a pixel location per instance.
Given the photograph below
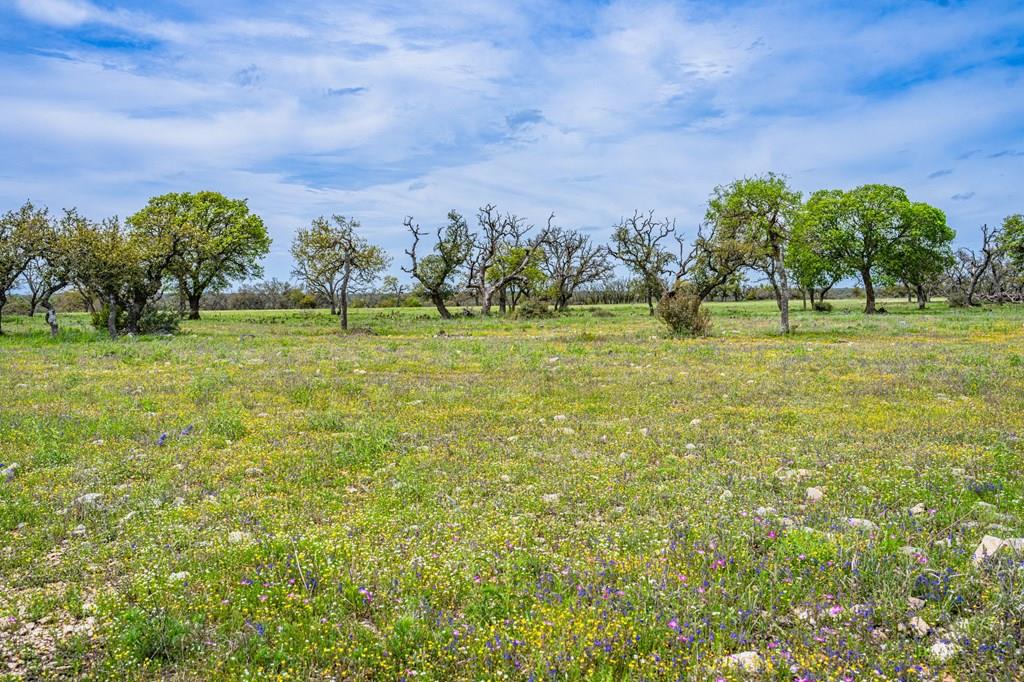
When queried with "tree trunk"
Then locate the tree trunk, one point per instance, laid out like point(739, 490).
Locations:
point(193, 306)
point(922, 297)
point(485, 304)
point(112, 318)
point(344, 309)
point(650, 303)
point(3, 302)
point(973, 288)
point(502, 301)
point(51, 316)
point(869, 292)
point(782, 292)
point(438, 302)
point(134, 315)
point(777, 292)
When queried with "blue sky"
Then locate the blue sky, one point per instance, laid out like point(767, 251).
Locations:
point(589, 109)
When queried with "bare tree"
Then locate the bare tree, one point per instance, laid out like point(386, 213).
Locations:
point(501, 253)
point(571, 261)
point(436, 271)
point(970, 267)
point(636, 242)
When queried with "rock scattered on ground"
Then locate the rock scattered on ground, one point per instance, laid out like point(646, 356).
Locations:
point(747, 661)
point(943, 651)
point(89, 501)
point(237, 537)
point(919, 627)
point(8, 472)
point(862, 524)
point(787, 474)
point(991, 545)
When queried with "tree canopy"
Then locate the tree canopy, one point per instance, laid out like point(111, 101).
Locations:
point(221, 241)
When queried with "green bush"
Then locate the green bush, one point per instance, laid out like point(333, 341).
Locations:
point(153, 320)
point(956, 298)
point(682, 311)
point(154, 636)
point(532, 309)
point(823, 306)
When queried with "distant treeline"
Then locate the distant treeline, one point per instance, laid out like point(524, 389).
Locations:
point(759, 239)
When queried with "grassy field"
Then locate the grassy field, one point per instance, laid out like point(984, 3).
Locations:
point(574, 498)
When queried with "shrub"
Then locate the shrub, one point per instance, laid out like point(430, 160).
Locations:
point(956, 298)
point(153, 320)
point(823, 306)
point(533, 308)
point(682, 311)
point(154, 636)
point(156, 321)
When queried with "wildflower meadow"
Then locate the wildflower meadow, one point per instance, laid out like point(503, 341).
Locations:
point(581, 497)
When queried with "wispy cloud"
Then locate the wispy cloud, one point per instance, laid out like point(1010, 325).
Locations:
point(589, 110)
point(1005, 152)
point(341, 92)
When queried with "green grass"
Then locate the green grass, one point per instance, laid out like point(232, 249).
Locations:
point(570, 498)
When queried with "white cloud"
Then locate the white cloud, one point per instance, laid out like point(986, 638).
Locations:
point(59, 12)
point(635, 106)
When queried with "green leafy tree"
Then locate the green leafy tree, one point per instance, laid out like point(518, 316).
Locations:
point(123, 265)
point(923, 253)
point(813, 256)
point(871, 222)
point(332, 259)
point(501, 236)
point(1011, 240)
point(719, 252)
point(102, 260)
point(390, 286)
point(516, 272)
point(436, 272)
point(760, 211)
point(53, 267)
point(221, 241)
point(21, 233)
